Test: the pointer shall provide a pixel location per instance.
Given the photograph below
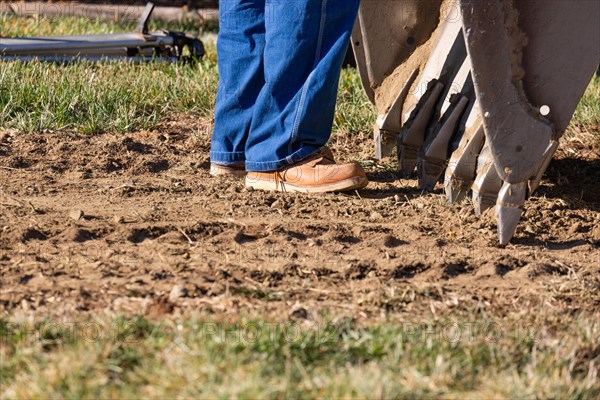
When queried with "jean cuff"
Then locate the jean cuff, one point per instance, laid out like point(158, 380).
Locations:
point(264, 166)
point(227, 158)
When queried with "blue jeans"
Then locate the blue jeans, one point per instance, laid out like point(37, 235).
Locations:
point(279, 68)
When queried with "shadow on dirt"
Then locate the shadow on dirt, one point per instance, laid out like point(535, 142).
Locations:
point(402, 188)
point(549, 244)
point(574, 180)
point(405, 193)
point(384, 176)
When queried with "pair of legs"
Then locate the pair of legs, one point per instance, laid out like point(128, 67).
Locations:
point(279, 66)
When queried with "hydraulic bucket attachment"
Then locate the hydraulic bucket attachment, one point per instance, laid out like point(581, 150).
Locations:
point(476, 92)
point(140, 46)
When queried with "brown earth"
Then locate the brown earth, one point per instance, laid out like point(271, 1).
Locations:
point(134, 224)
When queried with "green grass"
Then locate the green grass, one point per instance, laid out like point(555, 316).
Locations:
point(95, 98)
point(90, 98)
point(129, 358)
point(354, 112)
point(31, 26)
point(587, 115)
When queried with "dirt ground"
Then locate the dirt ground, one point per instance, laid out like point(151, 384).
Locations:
point(134, 224)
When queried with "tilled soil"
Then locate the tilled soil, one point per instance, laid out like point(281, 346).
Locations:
point(134, 224)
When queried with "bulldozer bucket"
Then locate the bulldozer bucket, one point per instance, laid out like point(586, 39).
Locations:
point(480, 89)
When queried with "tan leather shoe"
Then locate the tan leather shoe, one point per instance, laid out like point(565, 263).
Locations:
point(327, 153)
point(236, 170)
point(315, 174)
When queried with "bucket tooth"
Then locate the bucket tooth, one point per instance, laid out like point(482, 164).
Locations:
point(385, 142)
point(423, 109)
point(432, 160)
point(462, 167)
point(509, 209)
point(412, 135)
point(487, 182)
point(387, 127)
point(535, 182)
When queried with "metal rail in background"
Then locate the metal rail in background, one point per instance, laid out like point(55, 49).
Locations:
point(140, 46)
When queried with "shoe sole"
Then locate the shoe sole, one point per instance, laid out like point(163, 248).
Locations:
point(286, 187)
point(220, 170)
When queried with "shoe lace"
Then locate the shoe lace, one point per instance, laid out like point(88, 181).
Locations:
point(279, 180)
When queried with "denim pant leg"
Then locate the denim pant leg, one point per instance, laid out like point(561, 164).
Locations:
point(306, 41)
point(240, 49)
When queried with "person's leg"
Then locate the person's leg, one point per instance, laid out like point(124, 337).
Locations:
point(306, 41)
point(240, 48)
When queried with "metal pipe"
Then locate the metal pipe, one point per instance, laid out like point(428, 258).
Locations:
point(32, 45)
point(69, 59)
